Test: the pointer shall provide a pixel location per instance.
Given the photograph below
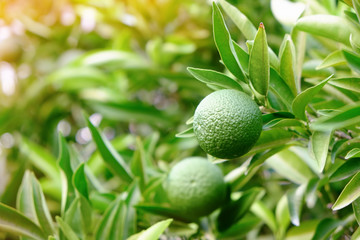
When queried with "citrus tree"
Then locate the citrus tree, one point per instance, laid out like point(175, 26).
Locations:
point(279, 130)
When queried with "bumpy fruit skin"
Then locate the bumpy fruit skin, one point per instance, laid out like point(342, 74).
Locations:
point(227, 123)
point(195, 187)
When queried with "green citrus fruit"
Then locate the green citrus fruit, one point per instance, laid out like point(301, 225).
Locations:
point(195, 187)
point(227, 123)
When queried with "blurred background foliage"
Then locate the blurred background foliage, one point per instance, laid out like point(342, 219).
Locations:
point(124, 61)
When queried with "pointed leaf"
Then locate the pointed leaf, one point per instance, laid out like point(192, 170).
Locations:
point(259, 66)
point(295, 200)
point(239, 19)
point(224, 44)
point(66, 229)
point(353, 153)
point(349, 83)
point(12, 221)
point(243, 57)
point(215, 78)
point(348, 169)
point(353, 60)
point(265, 214)
point(154, 232)
point(111, 157)
point(287, 63)
point(282, 90)
point(341, 118)
point(356, 209)
point(333, 59)
point(349, 194)
point(303, 99)
point(320, 147)
point(186, 133)
point(325, 228)
point(235, 210)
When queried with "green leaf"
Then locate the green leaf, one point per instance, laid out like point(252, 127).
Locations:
point(303, 99)
point(303, 232)
point(281, 122)
point(356, 234)
point(78, 78)
point(40, 158)
point(320, 141)
point(352, 59)
point(348, 169)
point(356, 6)
point(113, 59)
point(243, 57)
point(280, 88)
point(186, 133)
point(41, 209)
point(290, 165)
point(287, 63)
point(259, 66)
point(341, 118)
point(66, 229)
point(215, 78)
point(114, 161)
point(335, 58)
point(240, 20)
point(349, 194)
point(241, 228)
point(131, 112)
point(138, 164)
point(356, 209)
point(163, 211)
point(282, 216)
point(31, 202)
point(349, 83)
point(155, 231)
point(325, 228)
point(64, 161)
point(264, 213)
point(103, 229)
point(295, 198)
point(235, 210)
point(272, 138)
point(79, 181)
point(353, 153)
point(12, 221)
point(224, 44)
point(328, 26)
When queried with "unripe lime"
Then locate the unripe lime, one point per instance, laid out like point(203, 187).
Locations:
point(227, 123)
point(195, 187)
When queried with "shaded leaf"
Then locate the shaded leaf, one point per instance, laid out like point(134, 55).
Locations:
point(282, 90)
point(356, 209)
point(164, 211)
point(235, 210)
point(243, 57)
point(348, 169)
point(352, 59)
point(325, 228)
